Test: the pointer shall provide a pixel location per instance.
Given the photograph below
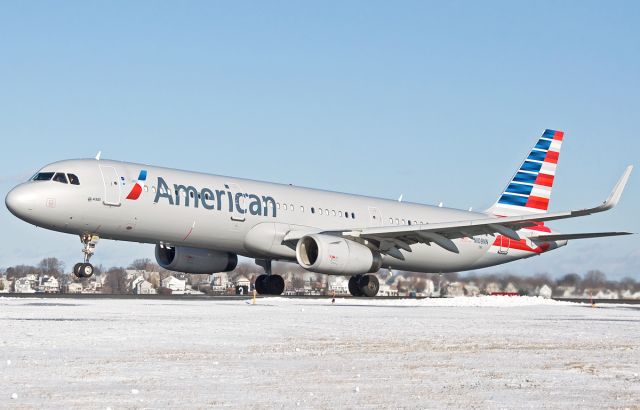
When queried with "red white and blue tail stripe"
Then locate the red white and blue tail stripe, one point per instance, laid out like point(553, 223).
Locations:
point(530, 188)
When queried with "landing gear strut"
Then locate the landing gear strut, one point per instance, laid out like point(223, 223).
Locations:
point(85, 269)
point(268, 284)
point(364, 285)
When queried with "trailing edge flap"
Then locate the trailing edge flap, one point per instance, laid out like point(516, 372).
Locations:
point(570, 236)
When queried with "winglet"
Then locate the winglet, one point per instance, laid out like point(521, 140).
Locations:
point(614, 196)
point(98, 155)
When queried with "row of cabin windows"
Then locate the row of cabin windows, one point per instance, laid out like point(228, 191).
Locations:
point(399, 221)
point(321, 211)
point(57, 176)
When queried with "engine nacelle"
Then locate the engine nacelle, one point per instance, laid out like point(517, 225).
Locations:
point(195, 260)
point(336, 256)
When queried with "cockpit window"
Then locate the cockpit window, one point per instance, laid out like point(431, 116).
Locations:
point(42, 176)
point(60, 177)
point(73, 179)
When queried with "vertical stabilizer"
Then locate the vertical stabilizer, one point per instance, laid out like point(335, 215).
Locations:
point(529, 191)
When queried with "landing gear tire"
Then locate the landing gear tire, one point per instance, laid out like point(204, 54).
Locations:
point(275, 284)
point(354, 289)
point(269, 284)
point(364, 285)
point(76, 270)
point(83, 270)
point(369, 285)
point(260, 284)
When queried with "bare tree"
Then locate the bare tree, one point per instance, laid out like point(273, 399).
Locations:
point(594, 279)
point(51, 266)
point(141, 264)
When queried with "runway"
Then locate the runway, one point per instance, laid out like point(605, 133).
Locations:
point(486, 352)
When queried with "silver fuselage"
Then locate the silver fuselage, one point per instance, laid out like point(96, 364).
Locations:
point(241, 216)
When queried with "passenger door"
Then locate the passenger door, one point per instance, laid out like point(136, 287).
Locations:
point(111, 185)
point(375, 218)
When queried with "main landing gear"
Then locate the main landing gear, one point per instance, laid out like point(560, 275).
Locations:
point(364, 285)
point(268, 284)
point(85, 269)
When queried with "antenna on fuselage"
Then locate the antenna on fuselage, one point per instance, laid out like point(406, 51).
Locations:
point(98, 155)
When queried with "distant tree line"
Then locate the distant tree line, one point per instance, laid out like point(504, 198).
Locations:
point(115, 280)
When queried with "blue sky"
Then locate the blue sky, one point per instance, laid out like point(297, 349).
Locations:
point(440, 102)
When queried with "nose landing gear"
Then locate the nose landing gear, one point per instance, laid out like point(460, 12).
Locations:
point(85, 269)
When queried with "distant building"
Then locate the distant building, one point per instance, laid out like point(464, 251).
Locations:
point(544, 291)
point(23, 285)
point(176, 285)
point(74, 287)
point(140, 286)
point(386, 290)
point(492, 287)
point(48, 284)
point(511, 288)
point(219, 282)
point(471, 289)
point(454, 289)
point(338, 284)
point(5, 285)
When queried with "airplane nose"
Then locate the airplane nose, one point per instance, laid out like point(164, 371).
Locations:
point(20, 200)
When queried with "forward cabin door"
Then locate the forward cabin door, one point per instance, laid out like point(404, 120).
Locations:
point(111, 185)
point(375, 218)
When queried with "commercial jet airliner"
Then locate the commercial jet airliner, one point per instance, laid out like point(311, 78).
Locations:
point(201, 222)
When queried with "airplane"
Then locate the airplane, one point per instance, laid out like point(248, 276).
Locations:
point(200, 222)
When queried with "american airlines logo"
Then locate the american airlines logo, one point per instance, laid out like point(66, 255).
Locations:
point(137, 188)
point(216, 199)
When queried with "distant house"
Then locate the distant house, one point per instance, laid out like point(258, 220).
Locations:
point(23, 285)
point(386, 290)
point(48, 284)
point(544, 291)
point(219, 282)
point(471, 289)
point(5, 285)
point(492, 287)
point(454, 289)
point(511, 288)
point(74, 287)
point(177, 286)
point(338, 284)
point(143, 287)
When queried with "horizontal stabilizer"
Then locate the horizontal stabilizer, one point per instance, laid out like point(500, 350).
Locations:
point(570, 236)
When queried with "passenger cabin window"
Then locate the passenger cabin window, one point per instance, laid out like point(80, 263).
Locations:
point(73, 179)
point(313, 210)
point(353, 216)
point(42, 176)
point(60, 177)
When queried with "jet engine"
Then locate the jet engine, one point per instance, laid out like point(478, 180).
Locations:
point(336, 256)
point(195, 260)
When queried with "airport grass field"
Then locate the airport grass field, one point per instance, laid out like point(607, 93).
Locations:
point(486, 352)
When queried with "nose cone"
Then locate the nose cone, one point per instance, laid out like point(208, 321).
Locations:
point(20, 201)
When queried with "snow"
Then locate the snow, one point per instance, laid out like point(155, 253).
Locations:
point(496, 352)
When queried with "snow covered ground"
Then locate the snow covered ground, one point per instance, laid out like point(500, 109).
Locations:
point(488, 352)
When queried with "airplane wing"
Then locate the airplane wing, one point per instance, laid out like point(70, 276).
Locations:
point(390, 239)
point(571, 236)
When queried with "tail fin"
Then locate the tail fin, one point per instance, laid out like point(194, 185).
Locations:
point(530, 188)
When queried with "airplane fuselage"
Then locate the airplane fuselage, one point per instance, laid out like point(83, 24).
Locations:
point(148, 204)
